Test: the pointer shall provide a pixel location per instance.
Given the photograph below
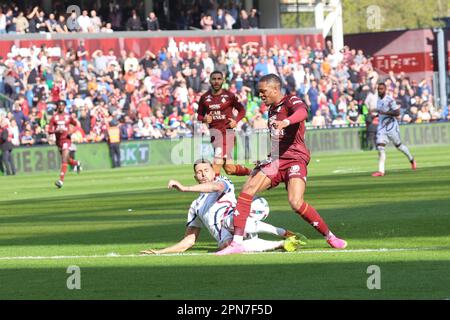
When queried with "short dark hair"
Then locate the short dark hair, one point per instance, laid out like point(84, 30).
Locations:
point(199, 161)
point(271, 78)
point(216, 72)
point(382, 84)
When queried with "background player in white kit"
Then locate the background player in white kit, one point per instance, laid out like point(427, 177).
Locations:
point(388, 129)
point(214, 209)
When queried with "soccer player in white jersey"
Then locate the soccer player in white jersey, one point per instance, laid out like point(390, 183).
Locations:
point(214, 209)
point(388, 129)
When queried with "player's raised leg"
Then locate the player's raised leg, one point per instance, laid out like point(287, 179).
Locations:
point(235, 169)
point(229, 166)
point(404, 149)
point(254, 184)
point(296, 189)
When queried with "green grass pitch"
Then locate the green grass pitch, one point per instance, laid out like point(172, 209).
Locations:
point(400, 222)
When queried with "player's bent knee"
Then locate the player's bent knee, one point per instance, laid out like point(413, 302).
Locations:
point(296, 203)
point(380, 148)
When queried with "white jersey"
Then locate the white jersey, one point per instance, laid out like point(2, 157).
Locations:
point(388, 128)
point(214, 211)
point(385, 105)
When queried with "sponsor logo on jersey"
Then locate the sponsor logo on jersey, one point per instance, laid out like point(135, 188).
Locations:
point(214, 106)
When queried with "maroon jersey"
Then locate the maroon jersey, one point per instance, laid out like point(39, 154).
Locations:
point(221, 109)
point(288, 143)
point(59, 125)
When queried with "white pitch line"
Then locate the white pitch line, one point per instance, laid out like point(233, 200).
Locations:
point(116, 255)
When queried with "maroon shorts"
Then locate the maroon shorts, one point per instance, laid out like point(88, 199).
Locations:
point(223, 144)
point(282, 170)
point(64, 145)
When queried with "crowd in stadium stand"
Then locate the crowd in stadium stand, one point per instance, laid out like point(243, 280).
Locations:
point(205, 15)
point(155, 96)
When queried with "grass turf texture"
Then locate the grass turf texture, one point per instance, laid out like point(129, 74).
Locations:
point(90, 217)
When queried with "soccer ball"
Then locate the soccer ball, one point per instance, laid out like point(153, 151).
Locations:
point(259, 209)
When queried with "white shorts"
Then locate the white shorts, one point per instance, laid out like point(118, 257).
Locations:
point(386, 134)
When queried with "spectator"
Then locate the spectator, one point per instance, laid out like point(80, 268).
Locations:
point(318, 121)
point(244, 22)
point(339, 122)
point(100, 62)
point(96, 22)
point(40, 23)
point(72, 23)
point(229, 21)
point(219, 22)
point(152, 22)
point(10, 21)
point(253, 20)
point(22, 23)
point(27, 138)
point(2, 22)
point(134, 22)
point(51, 23)
point(207, 22)
point(84, 21)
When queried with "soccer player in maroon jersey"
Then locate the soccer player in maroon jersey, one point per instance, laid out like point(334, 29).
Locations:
point(287, 163)
point(216, 109)
point(60, 126)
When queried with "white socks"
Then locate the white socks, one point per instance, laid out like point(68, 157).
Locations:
point(238, 239)
point(255, 226)
point(381, 158)
point(260, 245)
point(404, 149)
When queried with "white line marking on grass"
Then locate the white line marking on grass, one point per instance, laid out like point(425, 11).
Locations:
point(116, 255)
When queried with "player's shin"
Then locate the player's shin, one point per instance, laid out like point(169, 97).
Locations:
point(63, 171)
point(381, 158)
point(239, 220)
point(404, 149)
point(310, 215)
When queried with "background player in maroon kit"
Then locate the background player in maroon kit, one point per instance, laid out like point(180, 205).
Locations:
point(216, 109)
point(287, 163)
point(60, 126)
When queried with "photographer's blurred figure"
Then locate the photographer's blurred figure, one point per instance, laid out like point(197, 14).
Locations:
point(113, 138)
point(6, 145)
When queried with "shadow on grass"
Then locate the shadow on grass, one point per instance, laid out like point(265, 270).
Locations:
point(340, 280)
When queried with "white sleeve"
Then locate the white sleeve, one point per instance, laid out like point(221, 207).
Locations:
point(226, 182)
point(193, 220)
point(393, 105)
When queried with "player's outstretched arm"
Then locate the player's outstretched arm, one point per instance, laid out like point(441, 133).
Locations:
point(207, 187)
point(186, 243)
